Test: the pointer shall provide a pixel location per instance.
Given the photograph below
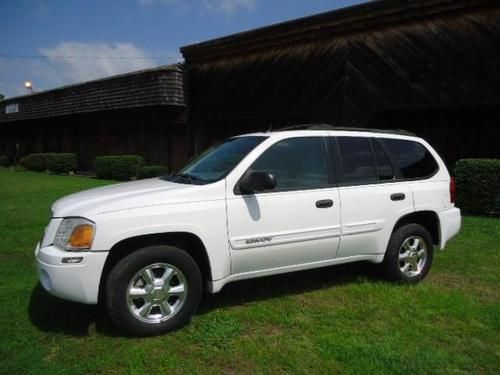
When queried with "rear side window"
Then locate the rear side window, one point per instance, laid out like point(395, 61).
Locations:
point(297, 163)
point(357, 159)
point(412, 158)
point(384, 166)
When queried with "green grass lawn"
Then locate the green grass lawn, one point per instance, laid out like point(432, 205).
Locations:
point(335, 320)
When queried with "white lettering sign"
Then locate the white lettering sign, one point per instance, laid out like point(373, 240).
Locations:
point(12, 108)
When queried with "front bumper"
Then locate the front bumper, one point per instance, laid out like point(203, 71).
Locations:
point(77, 282)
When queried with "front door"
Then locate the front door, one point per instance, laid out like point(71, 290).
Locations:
point(297, 222)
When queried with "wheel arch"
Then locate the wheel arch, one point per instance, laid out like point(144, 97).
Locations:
point(186, 241)
point(428, 219)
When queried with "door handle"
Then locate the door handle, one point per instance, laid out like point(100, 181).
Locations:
point(324, 203)
point(397, 197)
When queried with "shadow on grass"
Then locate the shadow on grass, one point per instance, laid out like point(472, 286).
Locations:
point(253, 290)
point(51, 314)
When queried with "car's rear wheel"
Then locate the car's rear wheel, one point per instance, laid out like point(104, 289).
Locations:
point(153, 290)
point(409, 254)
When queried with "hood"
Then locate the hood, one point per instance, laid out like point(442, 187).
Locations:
point(114, 197)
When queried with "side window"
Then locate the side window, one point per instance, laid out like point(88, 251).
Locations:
point(384, 166)
point(357, 159)
point(412, 158)
point(297, 163)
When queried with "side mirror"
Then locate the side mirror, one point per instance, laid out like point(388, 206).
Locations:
point(257, 181)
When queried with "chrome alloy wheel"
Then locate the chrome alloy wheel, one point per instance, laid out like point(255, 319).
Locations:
point(412, 256)
point(156, 293)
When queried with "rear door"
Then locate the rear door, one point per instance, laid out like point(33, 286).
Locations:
point(429, 183)
point(371, 196)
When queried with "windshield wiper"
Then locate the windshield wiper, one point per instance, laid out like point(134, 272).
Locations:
point(192, 179)
point(186, 176)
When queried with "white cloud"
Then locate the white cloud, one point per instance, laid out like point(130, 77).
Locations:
point(92, 61)
point(179, 6)
point(17, 71)
point(95, 60)
point(227, 7)
point(41, 10)
point(166, 2)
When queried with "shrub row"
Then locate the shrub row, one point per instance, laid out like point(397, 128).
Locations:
point(478, 185)
point(126, 167)
point(150, 171)
point(4, 161)
point(53, 162)
point(118, 167)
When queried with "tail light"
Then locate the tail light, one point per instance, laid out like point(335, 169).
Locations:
point(453, 190)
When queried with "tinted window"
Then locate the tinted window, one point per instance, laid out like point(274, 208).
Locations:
point(297, 163)
point(412, 158)
point(357, 159)
point(384, 166)
point(218, 161)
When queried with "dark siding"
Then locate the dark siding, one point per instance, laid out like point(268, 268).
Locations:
point(141, 131)
point(414, 66)
point(293, 85)
point(126, 114)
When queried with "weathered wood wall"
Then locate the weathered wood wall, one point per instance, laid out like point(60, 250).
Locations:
point(157, 133)
point(398, 76)
point(140, 113)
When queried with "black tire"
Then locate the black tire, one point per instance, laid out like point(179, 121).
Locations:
point(121, 276)
point(392, 263)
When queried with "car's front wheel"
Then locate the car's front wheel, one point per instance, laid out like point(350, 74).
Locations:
point(409, 254)
point(153, 290)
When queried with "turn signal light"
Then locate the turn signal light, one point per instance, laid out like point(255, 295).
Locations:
point(82, 236)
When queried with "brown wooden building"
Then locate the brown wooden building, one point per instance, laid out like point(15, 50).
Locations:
point(428, 66)
point(141, 113)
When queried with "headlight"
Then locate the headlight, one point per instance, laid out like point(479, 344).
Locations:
point(75, 233)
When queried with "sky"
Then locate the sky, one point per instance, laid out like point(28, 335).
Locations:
point(58, 42)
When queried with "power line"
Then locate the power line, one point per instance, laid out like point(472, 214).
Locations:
point(6, 56)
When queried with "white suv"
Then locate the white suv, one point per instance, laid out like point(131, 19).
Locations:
point(251, 206)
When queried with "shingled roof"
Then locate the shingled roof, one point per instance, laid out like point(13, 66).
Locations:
point(161, 86)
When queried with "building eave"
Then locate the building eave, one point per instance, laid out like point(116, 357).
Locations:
point(372, 14)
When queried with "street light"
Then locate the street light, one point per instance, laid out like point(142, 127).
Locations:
point(29, 86)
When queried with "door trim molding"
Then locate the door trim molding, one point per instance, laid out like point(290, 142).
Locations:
point(280, 238)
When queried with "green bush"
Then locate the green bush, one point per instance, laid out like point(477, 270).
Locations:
point(117, 167)
point(478, 185)
point(53, 162)
point(149, 171)
point(4, 161)
point(62, 163)
point(34, 162)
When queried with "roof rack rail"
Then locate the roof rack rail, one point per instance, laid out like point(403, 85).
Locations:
point(308, 127)
point(345, 128)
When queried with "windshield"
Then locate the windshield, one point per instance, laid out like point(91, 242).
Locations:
point(216, 163)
